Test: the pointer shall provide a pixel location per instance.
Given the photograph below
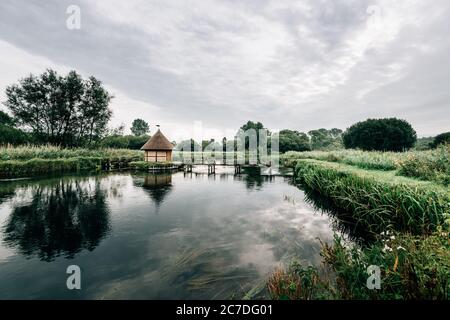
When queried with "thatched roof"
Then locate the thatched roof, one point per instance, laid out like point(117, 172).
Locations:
point(157, 142)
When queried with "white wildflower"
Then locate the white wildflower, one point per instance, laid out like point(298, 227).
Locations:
point(401, 248)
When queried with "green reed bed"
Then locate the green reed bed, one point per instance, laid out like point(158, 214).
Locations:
point(362, 159)
point(38, 167)
point(28, 152)
point(25, 161)
point(378, 201)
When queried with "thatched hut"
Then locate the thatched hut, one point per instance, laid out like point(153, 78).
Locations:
point(158, 148)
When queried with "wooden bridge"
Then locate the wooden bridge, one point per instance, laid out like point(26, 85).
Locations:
point(237, 166)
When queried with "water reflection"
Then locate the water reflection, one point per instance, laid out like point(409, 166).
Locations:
point(216, 236)
point(58, 219)
point(157, 185)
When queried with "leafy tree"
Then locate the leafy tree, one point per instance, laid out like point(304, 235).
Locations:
point(188, 145)
point(380, 134)
point(325, 139)
point(63, 110)
point(139, 127)
point(423, 144)
point(5, 119)
point(290, 140)
point(14, 136)
point(248, 126)
point(252, 125)
point(124, 142)
point(441, 139)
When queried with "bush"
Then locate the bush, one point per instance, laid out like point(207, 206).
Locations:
point(380, 134)
point(10, 135)
point(412, 267)
point(441, 139)
point(433, 165)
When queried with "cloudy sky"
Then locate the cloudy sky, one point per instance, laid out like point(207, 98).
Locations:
point(289, 64)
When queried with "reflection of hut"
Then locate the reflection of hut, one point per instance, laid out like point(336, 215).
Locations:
point(158, 186)
point(158, 148)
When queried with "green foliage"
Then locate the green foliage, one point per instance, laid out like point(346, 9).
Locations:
point(323, 139)
point(252, 125)
point(188, 145)
point(377, 200)
point(433, 165)
point(362, 159)
point(380, 134)
point(296, 283)
point(139, 127)
point(293, 141)
point(66, 111)
point(124, 142)
point(5, 119)
point(412, 267)
point(36, 167)
point(424, 144)
point(10, 135)
point(28, 152)
point(443, 138)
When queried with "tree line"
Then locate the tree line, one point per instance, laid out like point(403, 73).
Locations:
point(74, 112)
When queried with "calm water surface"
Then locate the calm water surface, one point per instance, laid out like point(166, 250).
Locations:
point(169, 236)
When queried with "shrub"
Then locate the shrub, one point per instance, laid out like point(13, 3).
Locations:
point(441, 139)
point(412, 267)
point(10, 135)
point(433, 165)
point(380, 134)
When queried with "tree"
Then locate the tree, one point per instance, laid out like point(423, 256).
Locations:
point(5, 119)
point(325, 139)
point(188, 145)
point(441, 139)
point(290, 140)
point(63, 110)
point(380, 134)
point(139, 127)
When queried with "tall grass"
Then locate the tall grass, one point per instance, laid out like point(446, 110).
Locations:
point(412, 268)
point(361, 159)
point(30, 160)
point(28, 152)
point(378, 201)
point(433, 165)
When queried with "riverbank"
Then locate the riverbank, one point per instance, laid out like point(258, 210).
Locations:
point(31, 161)
point(402, 201)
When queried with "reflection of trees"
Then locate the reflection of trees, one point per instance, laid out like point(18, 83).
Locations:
point(62, 219)
point(253, 179)
point(157, 185)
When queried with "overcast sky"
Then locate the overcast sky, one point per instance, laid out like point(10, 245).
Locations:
point(289, 64)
